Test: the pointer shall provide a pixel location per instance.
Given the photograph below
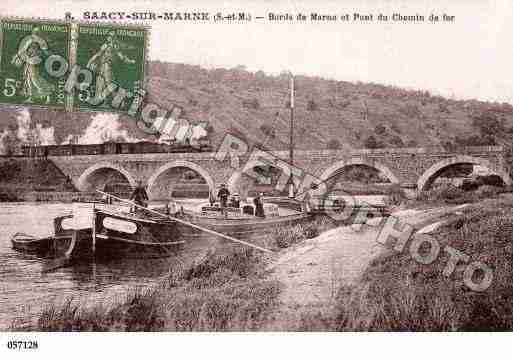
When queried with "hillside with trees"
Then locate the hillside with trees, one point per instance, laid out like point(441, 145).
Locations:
point(329, 114)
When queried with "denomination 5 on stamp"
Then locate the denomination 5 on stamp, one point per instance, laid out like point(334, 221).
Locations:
point(29, 74)
point(116, 57)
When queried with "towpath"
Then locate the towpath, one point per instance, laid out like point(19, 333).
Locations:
point(312, 271)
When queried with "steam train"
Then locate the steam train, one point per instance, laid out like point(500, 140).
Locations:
point(112, 148)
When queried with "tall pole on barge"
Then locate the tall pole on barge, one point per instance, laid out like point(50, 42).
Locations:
point(291, 148)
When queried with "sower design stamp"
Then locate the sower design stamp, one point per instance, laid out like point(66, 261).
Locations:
point(33, 65)
point(115, 58)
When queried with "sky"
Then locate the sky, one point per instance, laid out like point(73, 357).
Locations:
point(470, 57)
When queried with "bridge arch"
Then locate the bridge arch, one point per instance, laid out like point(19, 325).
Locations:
point(83, 180)
point(177, 164)
point(430, 174)
point(234, 180)
point(338, 166)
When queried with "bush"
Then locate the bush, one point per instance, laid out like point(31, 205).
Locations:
point(242, 262)
point(440, 193)
point(287, 236)
point(456, 195)
point(311, 230)
point(491, 180)
point(284, 237)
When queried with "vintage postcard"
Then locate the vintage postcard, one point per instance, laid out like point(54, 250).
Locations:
point(237, 166)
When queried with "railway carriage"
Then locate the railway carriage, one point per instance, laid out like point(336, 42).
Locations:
point(110, 148)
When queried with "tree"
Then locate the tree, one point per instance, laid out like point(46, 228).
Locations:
point(9, 144)
point(488, 124)
point(476, 140)
point(364, 174)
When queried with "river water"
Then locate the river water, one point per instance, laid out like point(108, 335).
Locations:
point(25, 291)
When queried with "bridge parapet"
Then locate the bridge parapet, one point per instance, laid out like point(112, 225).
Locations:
point(405, 166)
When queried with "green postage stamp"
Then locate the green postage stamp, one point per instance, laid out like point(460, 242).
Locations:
point(59, 65)
point(26, 46)
point(116, 56)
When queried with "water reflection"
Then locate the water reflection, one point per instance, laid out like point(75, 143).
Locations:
point(24, 290)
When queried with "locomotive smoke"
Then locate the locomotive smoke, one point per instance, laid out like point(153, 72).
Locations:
point(3, 139)
point(168, 131)
point(24, 131)
point(28, 134)
point(104, 127)
point(25, 134)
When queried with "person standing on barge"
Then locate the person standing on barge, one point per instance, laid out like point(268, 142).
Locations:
point(223, 195)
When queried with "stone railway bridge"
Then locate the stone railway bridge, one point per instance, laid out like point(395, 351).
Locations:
point(412, 168)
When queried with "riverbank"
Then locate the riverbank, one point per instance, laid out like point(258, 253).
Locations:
point(394, 292)
point(323, 278)
point(33, 179)
point(313, 273)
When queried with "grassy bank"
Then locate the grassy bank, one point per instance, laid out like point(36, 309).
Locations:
point(224, 292)
point(396, 293)
point(21, 175)
point(284, 237)
point(448, 194)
